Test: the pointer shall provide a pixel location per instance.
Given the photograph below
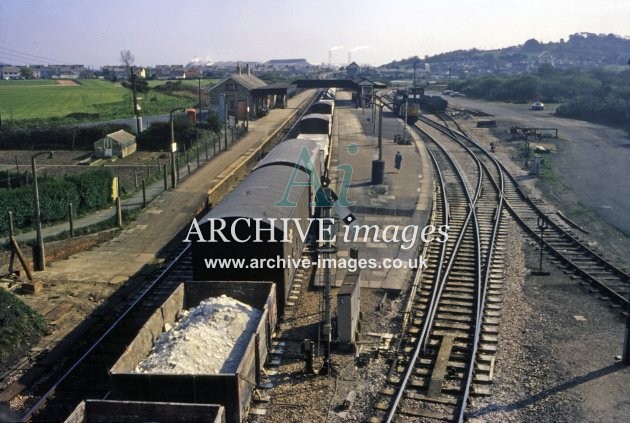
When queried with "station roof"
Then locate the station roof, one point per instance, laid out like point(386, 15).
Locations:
point(275, 89)
point(249, 81)
point(337, 83)
point(326, 83)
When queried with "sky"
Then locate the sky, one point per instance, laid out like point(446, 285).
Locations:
point(94, 32)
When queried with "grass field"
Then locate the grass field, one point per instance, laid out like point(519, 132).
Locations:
point(98, 99)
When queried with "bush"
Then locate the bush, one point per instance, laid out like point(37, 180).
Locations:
point(54, 196)
point(94, 189)
point(86, 191)
point(158, 136)
point(20, 326)
point(214, 122)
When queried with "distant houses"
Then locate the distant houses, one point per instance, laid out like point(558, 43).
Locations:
point(10, 72)
point(45, 72)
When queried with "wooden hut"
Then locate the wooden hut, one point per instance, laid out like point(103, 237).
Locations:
point(120, 144)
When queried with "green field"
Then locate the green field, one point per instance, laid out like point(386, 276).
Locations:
point(97, 99)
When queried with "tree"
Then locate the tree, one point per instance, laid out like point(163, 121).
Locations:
point(127, 58)
point(26, 73)
point(214, 122)
point(532, 45)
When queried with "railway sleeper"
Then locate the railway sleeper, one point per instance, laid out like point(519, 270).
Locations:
point(456, 334)
point(457, 296)
point(493, 313)
point(435, 343)
point(464, 288)
point(462, 278)
point(483, 378)
point(459, 311)
point(488, 348)
point(450, 325)
point(490, 329)
point(454, 318)
point(494, 291)
point(439, 400)
point(427, 414)
point(493, 299)
point(489, 338)
point(455, 302)
point(496, 283)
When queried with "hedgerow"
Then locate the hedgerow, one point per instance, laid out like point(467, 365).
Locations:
point(86, 191)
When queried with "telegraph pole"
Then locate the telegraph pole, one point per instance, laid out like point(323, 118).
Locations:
point(199, 118)
point(135, 100)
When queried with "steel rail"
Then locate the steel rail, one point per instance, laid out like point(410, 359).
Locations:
point(625, 277)
point(98, 342)
point(483, 282)
point(486, 274)
point(442, 278)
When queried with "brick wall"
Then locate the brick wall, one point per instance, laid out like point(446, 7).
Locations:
point(57, 250)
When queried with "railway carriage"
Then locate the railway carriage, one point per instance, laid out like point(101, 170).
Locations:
point(261, 214)
point(255, 219)
point(316, 123)
point(303, 155)
point(324, 107)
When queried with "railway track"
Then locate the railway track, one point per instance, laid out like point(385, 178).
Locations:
point(450, 339)
point(559, 239)
point(87, 375)
point(447, 350)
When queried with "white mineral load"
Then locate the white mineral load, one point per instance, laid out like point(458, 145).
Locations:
point(208, 339)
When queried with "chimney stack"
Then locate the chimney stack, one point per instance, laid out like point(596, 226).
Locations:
point(238, 67)
point(247, 68)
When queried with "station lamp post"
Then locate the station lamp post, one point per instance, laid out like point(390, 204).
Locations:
point(173, 148)
point(40, 257)
point(378, 166)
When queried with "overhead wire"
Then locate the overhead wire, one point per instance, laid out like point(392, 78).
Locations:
point(27, 58)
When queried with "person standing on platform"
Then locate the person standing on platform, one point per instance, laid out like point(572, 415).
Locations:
point(398, 161)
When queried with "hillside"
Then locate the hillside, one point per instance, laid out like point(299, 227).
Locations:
point(582, 50)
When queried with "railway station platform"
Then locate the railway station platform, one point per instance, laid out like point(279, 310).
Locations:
point(404, 199)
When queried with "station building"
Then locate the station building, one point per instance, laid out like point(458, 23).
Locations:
point(242, 92)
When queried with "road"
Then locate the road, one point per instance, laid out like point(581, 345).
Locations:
point(592, 160)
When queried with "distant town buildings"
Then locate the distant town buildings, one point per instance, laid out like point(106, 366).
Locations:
point(583, 50)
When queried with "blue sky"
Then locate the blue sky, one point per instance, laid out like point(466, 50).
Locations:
point(372, 32)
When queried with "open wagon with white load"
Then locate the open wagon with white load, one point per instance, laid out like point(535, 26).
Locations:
point(182, 353)
point(105, 411)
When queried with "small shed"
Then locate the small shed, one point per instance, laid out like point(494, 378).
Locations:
point(120, 144)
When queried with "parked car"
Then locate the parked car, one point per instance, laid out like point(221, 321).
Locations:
point(457, 94)
point(447, 92)
point(538, 106)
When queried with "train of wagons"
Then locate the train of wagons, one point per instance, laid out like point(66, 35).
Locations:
point(409, 103)
point(257, 221)
point(261, 217)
